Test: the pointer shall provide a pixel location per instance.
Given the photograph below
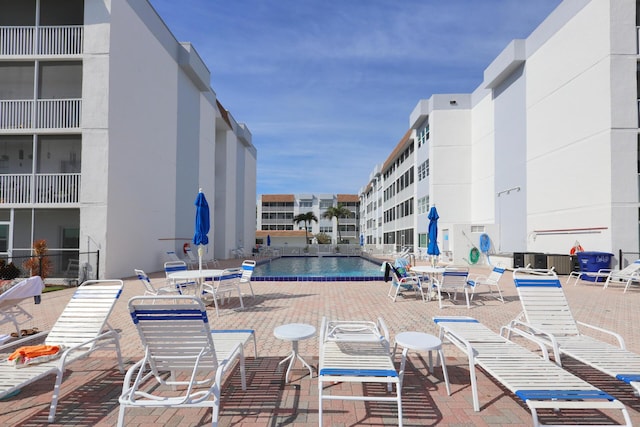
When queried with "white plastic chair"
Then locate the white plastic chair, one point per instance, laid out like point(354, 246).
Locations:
point(408, 282)
point(172, 267)
point(221, 288)
point(453, 280)
point(151, 290)
point(490, 281)
point(247, 271)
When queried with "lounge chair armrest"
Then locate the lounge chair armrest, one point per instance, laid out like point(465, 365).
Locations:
point(606, 331)
point(383, 328)
point(523, 326)
point(543, 347)
point(605, 271)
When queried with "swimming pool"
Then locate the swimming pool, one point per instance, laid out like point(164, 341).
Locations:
point(317, 269)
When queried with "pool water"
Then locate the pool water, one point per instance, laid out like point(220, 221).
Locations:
point(327, 268)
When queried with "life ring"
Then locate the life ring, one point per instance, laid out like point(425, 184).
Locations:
point(575, 249)
point(474, 255)
point(186, 247)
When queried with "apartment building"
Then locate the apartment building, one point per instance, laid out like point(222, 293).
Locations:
point(277, 211)
point(108, 129)
point(543, 153)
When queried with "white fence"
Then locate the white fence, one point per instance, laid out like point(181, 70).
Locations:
point(50, 40)
point(62, 188)
point(40, 114)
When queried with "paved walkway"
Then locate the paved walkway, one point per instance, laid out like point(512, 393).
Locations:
point(90, 390)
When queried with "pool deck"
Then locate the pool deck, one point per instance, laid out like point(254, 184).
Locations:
point(90, 390)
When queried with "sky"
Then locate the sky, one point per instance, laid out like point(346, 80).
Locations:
point(326, 87)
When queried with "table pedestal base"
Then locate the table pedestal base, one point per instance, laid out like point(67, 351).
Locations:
point(292, 358)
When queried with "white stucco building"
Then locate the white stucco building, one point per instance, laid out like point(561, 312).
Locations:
point(108, 128)
point(542, 154)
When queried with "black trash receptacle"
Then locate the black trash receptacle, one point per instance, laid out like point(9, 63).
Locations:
point(592, 262)
point(518, 260)
point(540, 261)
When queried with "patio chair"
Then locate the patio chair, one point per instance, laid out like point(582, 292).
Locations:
point(172, 267)
point(403, 280)
point(221, 288)
point(247, 271)
point(547, 317)
point(356, 351)
point(453, 280)
point(490, 281)
point(150, 290)
point(178, 341)
point(538, 382)
point(81, 329)
point(10, 310)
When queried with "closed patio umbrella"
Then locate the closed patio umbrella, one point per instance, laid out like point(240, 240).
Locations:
point(200, 237)
point(432, 247)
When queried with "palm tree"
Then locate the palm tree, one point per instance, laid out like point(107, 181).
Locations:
point(337, 212)
point(306, 218)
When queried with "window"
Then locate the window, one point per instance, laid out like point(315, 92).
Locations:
point(324, 204)
point(423, 135)
point(306, 203)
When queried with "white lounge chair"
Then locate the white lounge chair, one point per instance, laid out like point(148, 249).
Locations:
point(627, 275)
point(540, 383)
point(547, 317)
point(81, 329)
point(10, 310)
point(490, 281)
point(453, 280)
point(177, 338)
point(357, 351)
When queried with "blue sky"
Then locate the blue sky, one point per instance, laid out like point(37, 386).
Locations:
point(327, 86)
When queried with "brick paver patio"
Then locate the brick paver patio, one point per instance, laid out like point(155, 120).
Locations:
point(89, 394)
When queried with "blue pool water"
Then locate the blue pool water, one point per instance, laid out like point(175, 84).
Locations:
point(328, 268)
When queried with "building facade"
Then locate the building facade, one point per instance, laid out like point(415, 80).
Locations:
point(108, 128)
point(542, 154)
point(277, 211)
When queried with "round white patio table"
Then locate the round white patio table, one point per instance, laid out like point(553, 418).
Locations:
point(429, 271)
point(294, 332)
point(419, 341)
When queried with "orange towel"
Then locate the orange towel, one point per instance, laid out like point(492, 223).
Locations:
point(30, 352)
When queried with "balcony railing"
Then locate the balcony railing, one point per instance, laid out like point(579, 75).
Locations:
point(51, 40)
point(40, 114)
point(54, 188)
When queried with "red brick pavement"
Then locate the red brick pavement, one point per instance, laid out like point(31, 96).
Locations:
point(89, 394)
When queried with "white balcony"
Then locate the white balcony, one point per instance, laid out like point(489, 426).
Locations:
point(41, 41)
point(30, 189)
point(40, 114)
